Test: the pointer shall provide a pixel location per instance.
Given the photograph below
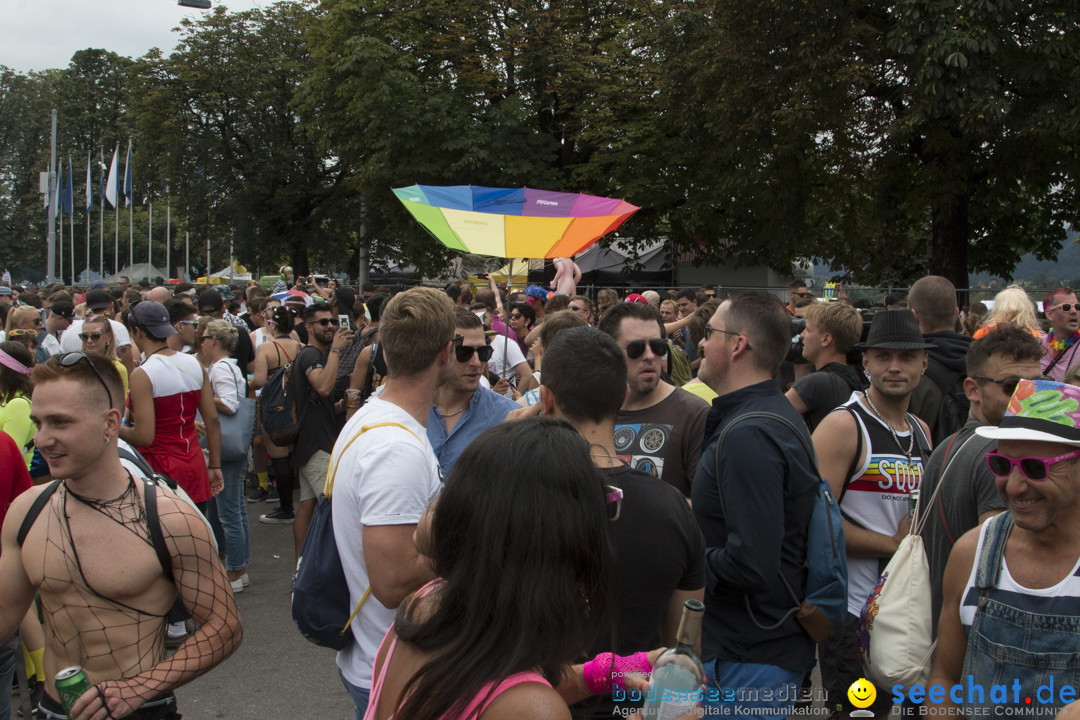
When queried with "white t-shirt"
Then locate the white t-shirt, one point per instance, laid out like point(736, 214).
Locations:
point(226, 382)
point(505, 356)
point(387, 476)
point(70, 342)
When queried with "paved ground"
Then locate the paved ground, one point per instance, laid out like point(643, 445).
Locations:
point(275, 673)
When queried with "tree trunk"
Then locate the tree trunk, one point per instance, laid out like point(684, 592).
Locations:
point(949, 242)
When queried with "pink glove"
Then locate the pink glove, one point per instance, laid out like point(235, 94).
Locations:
point(608, 670)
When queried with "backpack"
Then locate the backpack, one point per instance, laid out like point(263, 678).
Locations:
point(953, 411)
point(321, 607)
point(895, 638)
point(278, 409)
point(679, 369)
point(825, 605)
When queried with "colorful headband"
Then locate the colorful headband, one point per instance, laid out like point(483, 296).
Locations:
point(13, 364)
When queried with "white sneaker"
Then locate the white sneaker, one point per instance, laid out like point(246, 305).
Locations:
point(245, 579)
point(237, 586)
point(177, 630)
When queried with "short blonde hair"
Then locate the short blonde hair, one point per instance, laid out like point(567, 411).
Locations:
point(838, 319)
point(223, 332)
point(414, 328)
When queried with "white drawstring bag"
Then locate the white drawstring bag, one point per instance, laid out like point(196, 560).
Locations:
point(895, 639)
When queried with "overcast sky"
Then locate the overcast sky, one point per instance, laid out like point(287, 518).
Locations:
point(41, 34)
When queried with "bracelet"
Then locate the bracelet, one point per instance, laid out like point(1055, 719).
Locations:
point(608, 671)
point(335, 350)
point(213, 467)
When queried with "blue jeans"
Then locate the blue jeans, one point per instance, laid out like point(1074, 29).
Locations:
point(741, 690)
point(232, 512)
point(360, 696)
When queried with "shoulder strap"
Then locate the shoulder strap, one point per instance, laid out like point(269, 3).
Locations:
point(35, 510)
point(770, 416)
point(988, 561)
point(153, 521)
point(917, 520)
point(331, 472)
point(370, 380)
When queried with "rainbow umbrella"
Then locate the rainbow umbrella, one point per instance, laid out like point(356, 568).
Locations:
point(513, 222)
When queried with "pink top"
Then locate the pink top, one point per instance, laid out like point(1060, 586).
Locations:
point(476, 706)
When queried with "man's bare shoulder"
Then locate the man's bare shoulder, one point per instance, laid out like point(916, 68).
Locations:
point(20, 506)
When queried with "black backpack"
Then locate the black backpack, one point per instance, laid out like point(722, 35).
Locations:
point(279, 412)
point(953, 411)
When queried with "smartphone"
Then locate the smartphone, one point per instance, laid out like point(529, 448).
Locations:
point(343, 321)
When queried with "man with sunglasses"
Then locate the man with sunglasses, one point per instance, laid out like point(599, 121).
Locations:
point(968, 497)
point(314, 372)
point(1011, 612)
point(462, 409)
point(660, 427)
point(105, 591)
point(1060, 344)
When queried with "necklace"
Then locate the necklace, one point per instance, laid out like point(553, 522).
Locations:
point(614, 458)
point(163, 347)
point(895, 437)
point(451, 414)
point(1058, 345)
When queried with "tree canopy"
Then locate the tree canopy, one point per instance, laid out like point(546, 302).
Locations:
point(887, 140)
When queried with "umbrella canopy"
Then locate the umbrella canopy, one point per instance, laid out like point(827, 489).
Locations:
point(513, 222)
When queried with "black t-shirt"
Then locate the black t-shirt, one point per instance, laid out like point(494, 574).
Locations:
point(658, 550)
point(243, 353)
point(318, 429)
point(825, 390)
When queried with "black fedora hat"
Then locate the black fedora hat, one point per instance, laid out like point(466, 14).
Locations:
point(894, 330)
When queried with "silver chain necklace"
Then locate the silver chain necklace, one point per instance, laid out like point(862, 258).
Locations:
point(895, 437)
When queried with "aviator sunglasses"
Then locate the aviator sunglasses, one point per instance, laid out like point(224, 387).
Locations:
point(636, 348)
point(1033, 467)
point(464, 352)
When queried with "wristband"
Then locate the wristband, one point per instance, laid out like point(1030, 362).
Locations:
point(335, 350)
point(213, 467)
point(608, 671)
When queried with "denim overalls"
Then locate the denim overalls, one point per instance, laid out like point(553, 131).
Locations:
point(1006, 643)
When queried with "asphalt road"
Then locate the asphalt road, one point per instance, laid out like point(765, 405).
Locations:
point(275, 673)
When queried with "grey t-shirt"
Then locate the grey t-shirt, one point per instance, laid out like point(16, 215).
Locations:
point(969, 491)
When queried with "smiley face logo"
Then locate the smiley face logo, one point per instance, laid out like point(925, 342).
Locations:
point(862, 693)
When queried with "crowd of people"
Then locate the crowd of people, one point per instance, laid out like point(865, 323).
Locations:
point(529, 486)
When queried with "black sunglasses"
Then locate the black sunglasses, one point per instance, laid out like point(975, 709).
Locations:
point(72, 358)
point(1007, 384)
point(636, 348)
point(516, 316)
point(1066, 307)
point(325, 321)
point(464, 352)
point(94, 337)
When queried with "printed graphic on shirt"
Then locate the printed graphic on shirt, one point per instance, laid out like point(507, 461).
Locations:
point(642, 446)
point(891, 475)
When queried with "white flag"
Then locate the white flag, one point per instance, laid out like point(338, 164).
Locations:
point(110, 184)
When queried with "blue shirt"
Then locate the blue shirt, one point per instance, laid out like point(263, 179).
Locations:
point(486, 409)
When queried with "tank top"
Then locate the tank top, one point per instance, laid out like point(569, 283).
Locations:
point(476, 706)
point(877, 492)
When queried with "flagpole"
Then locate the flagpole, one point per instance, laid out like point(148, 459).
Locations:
point(60, 213)
point(168, 234)
point(101, 219)
point(187, 253)
point(50, 266)
point(71, 219)
point(150, 235)
point(89, 213)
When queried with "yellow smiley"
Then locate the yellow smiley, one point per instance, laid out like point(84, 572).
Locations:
point(862, 693)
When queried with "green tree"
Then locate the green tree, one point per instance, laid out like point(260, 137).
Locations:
point(892, 140)
point(217, 120)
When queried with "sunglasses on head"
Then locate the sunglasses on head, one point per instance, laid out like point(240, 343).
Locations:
point(636, 348)
point(464, 352)
point(72, 358)
point(21, 332)
point(92, 337)
point(1033, 468)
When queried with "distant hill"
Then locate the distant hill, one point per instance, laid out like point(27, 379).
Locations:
point(1066, 268)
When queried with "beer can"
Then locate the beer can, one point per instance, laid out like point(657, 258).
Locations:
point(71, 683)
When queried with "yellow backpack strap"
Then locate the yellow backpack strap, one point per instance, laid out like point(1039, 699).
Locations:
point(331, 471)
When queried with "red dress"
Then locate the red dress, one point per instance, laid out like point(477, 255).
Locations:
point(177, 385)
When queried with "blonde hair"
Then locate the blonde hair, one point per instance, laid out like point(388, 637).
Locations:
point(106, 329)
point(1012, 305)
point(415, 327)
point(17, 315)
